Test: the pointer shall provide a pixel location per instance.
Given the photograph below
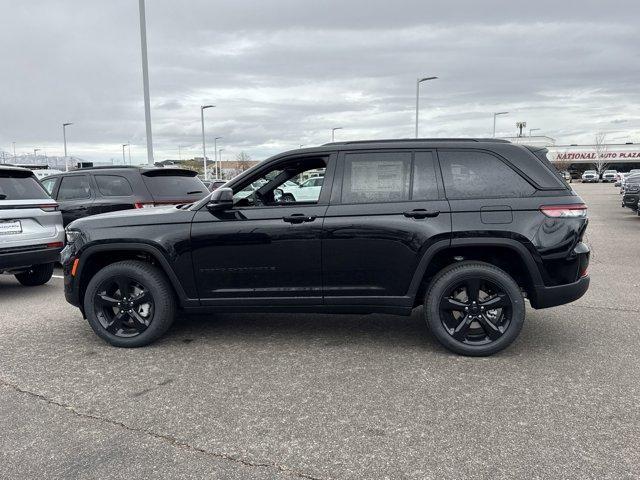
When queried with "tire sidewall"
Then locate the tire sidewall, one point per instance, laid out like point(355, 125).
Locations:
point(152, 279)
point(459, 272)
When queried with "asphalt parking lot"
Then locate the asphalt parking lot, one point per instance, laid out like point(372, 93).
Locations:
point(331, 397)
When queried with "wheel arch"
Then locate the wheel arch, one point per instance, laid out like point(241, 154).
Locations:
point(510, 255)
point(97, 257)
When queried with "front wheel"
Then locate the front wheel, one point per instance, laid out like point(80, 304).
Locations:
point(474, 308)
point(129, 303)
point(36, 275)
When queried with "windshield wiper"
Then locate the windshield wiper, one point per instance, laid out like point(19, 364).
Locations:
point(194, 191)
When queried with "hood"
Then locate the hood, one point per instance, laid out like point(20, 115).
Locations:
point(134, 217)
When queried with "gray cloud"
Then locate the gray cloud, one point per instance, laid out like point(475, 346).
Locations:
point(282, 73)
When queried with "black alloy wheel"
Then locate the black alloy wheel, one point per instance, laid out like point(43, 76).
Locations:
point(476, 311)
point(474, 308)
point(130, 303)
point(123, 306)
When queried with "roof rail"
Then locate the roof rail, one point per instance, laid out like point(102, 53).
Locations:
point(414, 140)
point(107, 167)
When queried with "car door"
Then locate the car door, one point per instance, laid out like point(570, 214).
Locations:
point(75, 197)
point(389, 209)
point(262, 254)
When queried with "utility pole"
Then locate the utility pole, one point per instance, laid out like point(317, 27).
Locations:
point(418, 82)
point(333, 133)
point(124, 162)
point(64, 137)
point(218, 172)
point(145, 81)
point(494, 121)
point(204, 147)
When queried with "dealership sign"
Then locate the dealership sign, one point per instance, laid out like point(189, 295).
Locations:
point(593, 156)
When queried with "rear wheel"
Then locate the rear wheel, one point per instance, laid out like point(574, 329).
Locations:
point(129, 304)
point(36, 275)
point(474, 308)
point(288, 198)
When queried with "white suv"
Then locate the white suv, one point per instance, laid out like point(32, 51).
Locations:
point(31, 232)
point(590, 176)
point(609, 175)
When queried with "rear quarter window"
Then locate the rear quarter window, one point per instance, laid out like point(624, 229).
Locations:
point(18, 185)
point(175, 186)
point(476, 174)
point(113, 186)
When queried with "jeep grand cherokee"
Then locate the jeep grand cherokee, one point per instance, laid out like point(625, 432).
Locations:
point(468, 228)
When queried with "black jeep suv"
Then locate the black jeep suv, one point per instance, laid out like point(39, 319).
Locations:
point(468, 228)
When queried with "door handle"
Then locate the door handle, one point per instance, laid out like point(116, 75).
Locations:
point(298, 218)
point(422, 213)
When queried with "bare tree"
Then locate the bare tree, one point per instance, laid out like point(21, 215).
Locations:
point(243, 161)
point(601, 162)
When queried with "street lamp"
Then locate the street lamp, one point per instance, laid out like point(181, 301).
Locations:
point(333, 133)
point(418, 82)
point(64, 137)
point(494, 120)
point(533, 130)
point(35, 153)
point(14, 152)
point(145, 81)
point(215, 153)
point(204, 148)
point(124, 162)
point(220, 160)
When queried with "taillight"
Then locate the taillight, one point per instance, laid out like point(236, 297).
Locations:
point(55, 245)
point(144, 205)
point(565, 211)
point(50, 207)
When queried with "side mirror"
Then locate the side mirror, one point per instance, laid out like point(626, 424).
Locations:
point(220, 199)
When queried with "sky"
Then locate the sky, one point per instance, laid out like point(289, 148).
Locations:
point(285, 72)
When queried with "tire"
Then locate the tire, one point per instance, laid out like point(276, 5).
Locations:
point(288, 198)
point(487, 330)
point(144, 318)
point(37, 275)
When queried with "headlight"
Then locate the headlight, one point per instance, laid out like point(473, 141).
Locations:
point(72, 235)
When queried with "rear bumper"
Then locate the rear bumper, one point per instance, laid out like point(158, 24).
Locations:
point(545, 297)
point(16, 259)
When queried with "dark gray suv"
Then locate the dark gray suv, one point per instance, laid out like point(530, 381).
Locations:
point(31, 233)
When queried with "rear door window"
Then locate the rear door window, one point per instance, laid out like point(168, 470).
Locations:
point(19, 185)
point(474, 174)
point(113, 186)
point(74, 187)
point(376, 177)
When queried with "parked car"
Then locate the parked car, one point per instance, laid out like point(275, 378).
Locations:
point(632, 173)
point(590, 176)
point(609, 176)
point(468, 228)
point(631, 192)
point(619, 179)
point(31, 232)
point(309, 190)
point(90, 191)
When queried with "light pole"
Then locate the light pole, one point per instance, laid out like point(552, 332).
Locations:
point(129, 152)
point(35, 153)
point(204, 148)
point(124, 162)
point(220, 160)
point(218, 172)
point(333, 133)
point(533, 130)
point(64, 137)
point(145, 81)
point(14, 152)
point(494, 120)
point(418, 82)
point(301, 145)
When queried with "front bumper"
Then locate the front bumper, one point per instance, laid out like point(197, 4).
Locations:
point(23, 257)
